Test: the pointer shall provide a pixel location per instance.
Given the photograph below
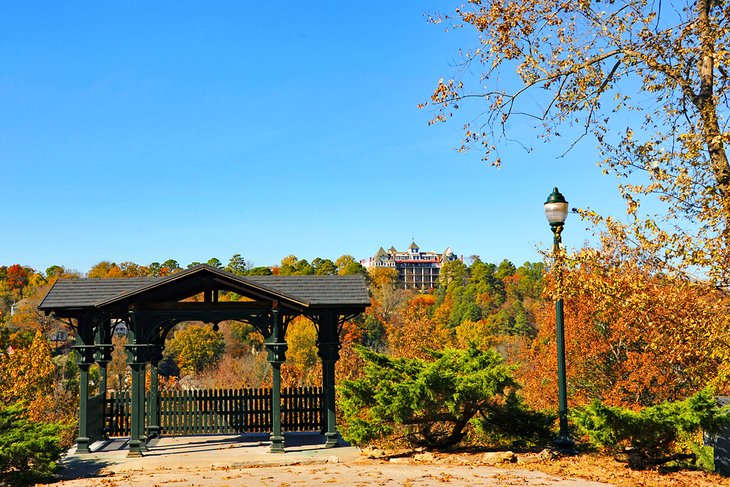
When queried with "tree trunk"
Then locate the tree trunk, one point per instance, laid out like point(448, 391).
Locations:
point(707, 106)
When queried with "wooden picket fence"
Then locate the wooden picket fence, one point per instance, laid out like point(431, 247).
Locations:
point(222, 411)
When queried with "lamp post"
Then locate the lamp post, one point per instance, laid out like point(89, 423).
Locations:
point(556, 211)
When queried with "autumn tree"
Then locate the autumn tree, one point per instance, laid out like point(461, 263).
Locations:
point(196, 347)
point(111, 270)
point(168, 267)
point(155, 269)
point(131, 269)
point(57, 271)
point(118, 372)
point(350, 365)
point(419, 333)
point(241, 338)
point(633, 337)
point(27, 372)
point(28, 317)
point(17, 277)
point(29, 376)
point(572, 67)
point(324, 267)
point(388, 296)
point(251, 370)
point(104, 269)
point(347, 266)
point(293, 266)
point(302, 367)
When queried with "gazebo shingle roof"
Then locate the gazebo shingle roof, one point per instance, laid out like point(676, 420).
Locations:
point(85, 293)
point(311, 291)
point(318, 290)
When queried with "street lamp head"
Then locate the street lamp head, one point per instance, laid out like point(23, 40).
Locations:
point(556, 208)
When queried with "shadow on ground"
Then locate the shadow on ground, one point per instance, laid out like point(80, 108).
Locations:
point(106, 454)
point(74, 466)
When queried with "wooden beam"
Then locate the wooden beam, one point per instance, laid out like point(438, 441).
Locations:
point(197, 306)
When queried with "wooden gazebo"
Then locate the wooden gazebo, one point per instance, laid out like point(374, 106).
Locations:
point(152, 306)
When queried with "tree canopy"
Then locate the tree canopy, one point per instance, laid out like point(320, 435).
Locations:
point(196, 347)
point(579, 64)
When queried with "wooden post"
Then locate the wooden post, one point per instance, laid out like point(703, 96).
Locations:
point(277, 355)
point(136, 361)
point(83, 441)
point(328, 345)
point(153, 406)
point(104, 349)
point(84, 358)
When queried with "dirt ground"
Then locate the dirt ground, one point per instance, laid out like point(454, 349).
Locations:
point(353, 474)
point(236, 461)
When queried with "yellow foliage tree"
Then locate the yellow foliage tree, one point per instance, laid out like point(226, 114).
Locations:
point(196, 347)
point(302, 367)
point(27, 372)
point(419, 331)
point(28, 376)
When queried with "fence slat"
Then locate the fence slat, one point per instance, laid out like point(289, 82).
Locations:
point(222, 411)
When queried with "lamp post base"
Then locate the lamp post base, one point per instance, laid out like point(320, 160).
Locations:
point(565, 445)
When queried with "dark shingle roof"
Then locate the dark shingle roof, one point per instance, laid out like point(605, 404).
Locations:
point(85, 293)
point(316, 291)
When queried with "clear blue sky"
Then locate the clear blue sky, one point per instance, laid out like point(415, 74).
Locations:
point(145, 131)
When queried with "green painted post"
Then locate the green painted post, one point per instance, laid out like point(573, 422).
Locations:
point(142, 405)
point(276, 356)
point(135, 443)
point(153, 407)
point(103, 357)
point(329, 351)
point(84, 358)
point(82, 441)
point(135, 359)
point(277, 440)
point(329, 402)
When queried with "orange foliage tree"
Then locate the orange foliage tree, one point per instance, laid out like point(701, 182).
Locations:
point(29, 376)
point(633, 337)
point(350, 364)
point(419, 331)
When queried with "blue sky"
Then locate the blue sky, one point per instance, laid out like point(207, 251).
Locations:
point(145, 131)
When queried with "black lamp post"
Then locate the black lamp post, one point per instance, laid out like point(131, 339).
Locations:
point(556, 211)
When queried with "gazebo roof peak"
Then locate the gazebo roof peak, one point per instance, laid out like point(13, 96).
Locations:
point(298, 291)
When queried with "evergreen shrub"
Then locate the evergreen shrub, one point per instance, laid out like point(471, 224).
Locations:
point(667, 433)
point(436, 402)
point(29, 450)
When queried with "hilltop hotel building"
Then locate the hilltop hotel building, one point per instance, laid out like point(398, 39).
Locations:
point(416, 269)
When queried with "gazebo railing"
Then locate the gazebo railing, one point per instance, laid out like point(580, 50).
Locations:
point(222, 411)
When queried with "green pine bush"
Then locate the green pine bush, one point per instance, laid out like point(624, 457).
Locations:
point(434, 403)
point(29, 451)
point(656, 435)
point(514, 424)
